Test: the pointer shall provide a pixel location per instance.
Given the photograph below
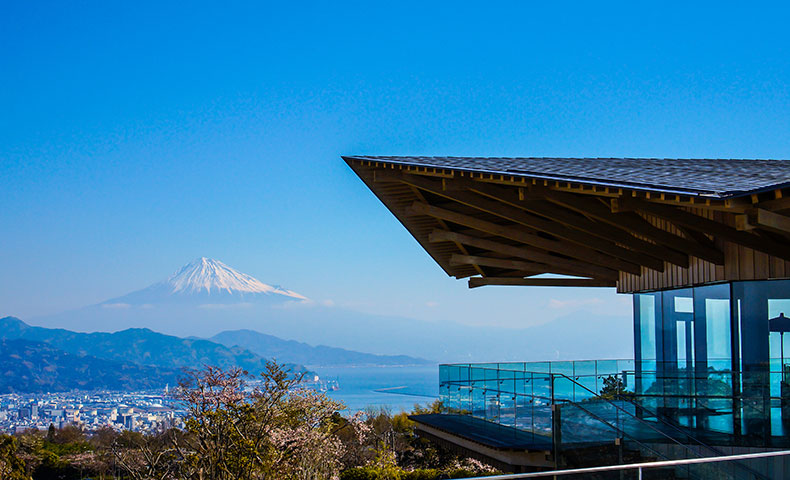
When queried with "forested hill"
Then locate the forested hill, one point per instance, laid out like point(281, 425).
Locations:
point(32, 367)
point(139, 346)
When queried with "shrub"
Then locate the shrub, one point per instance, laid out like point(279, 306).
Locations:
point(422, 474)
point(373, 473)
point(360, 473)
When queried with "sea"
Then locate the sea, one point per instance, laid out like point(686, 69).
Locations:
point(393, 388)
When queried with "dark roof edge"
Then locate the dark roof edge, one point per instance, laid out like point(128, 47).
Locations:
point(585, 180)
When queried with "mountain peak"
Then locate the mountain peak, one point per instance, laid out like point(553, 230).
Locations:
point(207, 275)
point(206, 283)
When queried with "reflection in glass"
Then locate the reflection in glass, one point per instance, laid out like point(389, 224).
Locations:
point(717, 333)
point(647, 326)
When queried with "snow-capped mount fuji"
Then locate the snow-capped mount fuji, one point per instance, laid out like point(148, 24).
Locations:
point(207, 281)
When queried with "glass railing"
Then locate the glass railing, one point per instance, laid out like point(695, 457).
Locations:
point(660, 410)
point(716, 404)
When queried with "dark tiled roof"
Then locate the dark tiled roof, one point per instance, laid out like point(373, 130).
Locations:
point(710, 177)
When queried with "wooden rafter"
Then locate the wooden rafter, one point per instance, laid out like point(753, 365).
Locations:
point(517, 215)
point(705, 225)
point(475, 282)
point(520, 235)
point(580, 222)
point(761, 218)
point(505, 264)
point(558, 264)
point(508, 228)
point(632, 222)
point(775, 205)
point(460, 247)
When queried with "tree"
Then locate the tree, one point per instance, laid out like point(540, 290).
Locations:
point(11, 466)
point(147, 457)
point(272, 428)
point(613, 388)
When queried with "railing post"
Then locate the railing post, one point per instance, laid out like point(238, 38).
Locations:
point(556, 432)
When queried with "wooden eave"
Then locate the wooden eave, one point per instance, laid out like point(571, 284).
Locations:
point(499, 229)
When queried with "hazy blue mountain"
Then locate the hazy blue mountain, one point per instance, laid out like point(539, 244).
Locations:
point(206, 297)
point(292, 351)
point(137, 345)
point(567, 337)
point(30, 367)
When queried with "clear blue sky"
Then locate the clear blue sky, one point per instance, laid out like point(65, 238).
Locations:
point(136, 136)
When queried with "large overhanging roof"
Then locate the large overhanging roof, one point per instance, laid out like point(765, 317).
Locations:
point(633, 223)
point(719, 178)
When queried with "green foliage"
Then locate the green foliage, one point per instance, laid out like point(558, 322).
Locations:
point(465, 473)
point(422, 474)
point(360, 473)
point(434, 407)
point(386, 465)
point(613, 388)
point(373, 473)
point(69, 440)
point(11, 466)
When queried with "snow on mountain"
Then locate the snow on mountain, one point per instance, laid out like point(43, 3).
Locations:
point(209, 274)
point(206, 280)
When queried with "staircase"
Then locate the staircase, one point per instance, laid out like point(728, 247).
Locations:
point(605, 431)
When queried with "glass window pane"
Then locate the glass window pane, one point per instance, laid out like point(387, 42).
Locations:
point(717, 333)
point(647, 326)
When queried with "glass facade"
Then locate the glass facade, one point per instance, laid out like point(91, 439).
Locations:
point(568, 408)
point(712, 358)
point(710, 361)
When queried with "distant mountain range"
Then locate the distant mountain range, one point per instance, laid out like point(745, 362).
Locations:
point(136, 345)
point(291, 351)
point(206, 297)
point(57, 359)
point(34, 367)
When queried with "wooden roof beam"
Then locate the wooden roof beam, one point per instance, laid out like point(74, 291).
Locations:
point(505, 264)
point(557, 264)
point(775, 205)
point(475, 282)
point(519, 235)
point(630, 221)
point(705, 225)
point(580, 222)
point(765, 219)
point(517, 215)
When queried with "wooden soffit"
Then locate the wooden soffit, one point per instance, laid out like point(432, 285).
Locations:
point(512, 229)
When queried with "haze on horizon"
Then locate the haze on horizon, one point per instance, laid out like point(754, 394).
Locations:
point(135, 138)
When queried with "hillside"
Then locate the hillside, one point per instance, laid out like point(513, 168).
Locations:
point(30, 367)
point(291, 351)
point(137, 345)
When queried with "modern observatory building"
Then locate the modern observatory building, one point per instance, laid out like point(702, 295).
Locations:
point(702, 245)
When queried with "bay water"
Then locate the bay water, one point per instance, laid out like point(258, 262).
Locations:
point(394, 388)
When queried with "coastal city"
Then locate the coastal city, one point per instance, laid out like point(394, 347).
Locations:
point(144, 411)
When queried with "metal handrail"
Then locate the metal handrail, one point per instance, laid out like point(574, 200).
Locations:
point(633, 466)
point(695, 440)
point(624, 433)
point(644, 422)
point(596, 394)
